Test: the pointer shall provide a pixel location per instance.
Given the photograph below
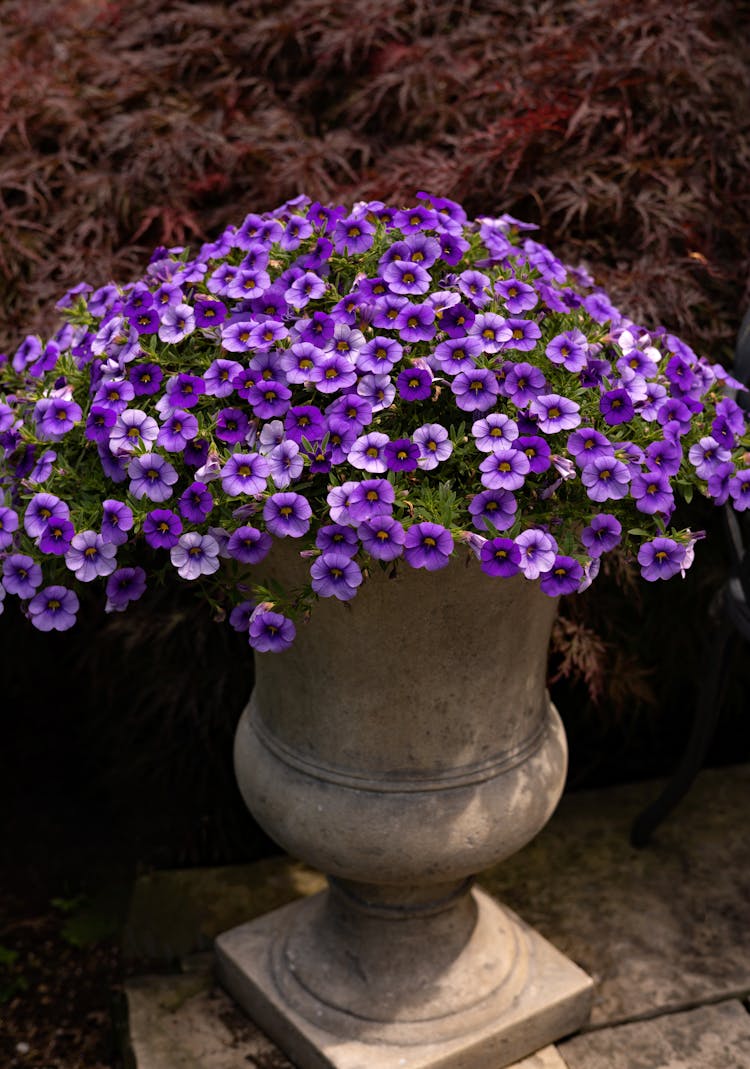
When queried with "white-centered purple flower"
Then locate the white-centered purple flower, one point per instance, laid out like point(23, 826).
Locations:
point(53, 609)
point(287, 515)
point(493, 432)
point(335, 575)
point(245, 473)
point(538, 551)
point(151, 476)
point(90, 556)
point(195, 555)
point(428, 545)
point(177, 322)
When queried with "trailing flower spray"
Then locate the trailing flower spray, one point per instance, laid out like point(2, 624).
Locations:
point(379, 387)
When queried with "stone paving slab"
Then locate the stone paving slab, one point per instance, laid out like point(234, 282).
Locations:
point(659, 929)
point(187, 1022)
point(710, 1037)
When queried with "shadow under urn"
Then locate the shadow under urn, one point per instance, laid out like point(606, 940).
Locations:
point(405, 742)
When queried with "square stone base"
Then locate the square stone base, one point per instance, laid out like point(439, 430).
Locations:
point(554, 1002)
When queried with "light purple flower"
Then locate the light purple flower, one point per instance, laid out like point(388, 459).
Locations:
point(43, 467)
point(219, 375)
point(493, 432)
point(133, 430)
point(518, 296)
point(8, 525)
point(333, 372)
point(505, 469)
point(605, 479)
point(569, 349)
point(21, 575)
point(457, 354)
point(475, 390)
point(151, 476)
point(383, 537)
point(706, 455)
point(117, 520)
point(245, 473)
point(335, 536)
point(308, 287)
point(406, 278)
point(428, 545)
point(492, 330)
point(377, 391)
point(368, 453)
point(56, 416)
point(379, 355)
point(177, 322)
point(335, 574)
point(497, 507)
point(287, 515)
point(338, 500)
point(371, 497)
point(555, 413)
point(739, 490)
point(53, 609)
point(652, 493)
point(524, 334)
point(434, 445)
point(415, 322)
point(523, 383)
point(40, 509)
point(285, 463)
point(660, 559)
point(587, 444)
point(90, 556)
point(195, 555)
point(537, 552)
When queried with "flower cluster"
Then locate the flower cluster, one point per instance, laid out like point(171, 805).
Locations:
point(375, 385)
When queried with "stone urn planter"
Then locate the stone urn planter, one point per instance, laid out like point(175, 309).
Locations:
point(404, 743)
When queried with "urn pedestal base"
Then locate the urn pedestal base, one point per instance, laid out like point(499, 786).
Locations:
point(502, 994)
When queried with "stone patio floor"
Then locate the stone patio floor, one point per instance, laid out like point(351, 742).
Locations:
point(664, 931)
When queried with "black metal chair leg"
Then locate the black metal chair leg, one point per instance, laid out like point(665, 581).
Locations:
point(704, 725)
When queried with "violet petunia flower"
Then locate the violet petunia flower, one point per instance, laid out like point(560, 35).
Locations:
point(117, 520)
point(90, 556)
point(335, 536)
point(555, 413)
point(538, 551)
point(564, 577)
point(245, 473)
point(428, 545)
point(371, 497)
point(475, 390)
point(497, 507)
point(195, 555)
point(434, 445)
point(8, 526)
point(602, 534)
point(133, 430)
point(652, 493)
point(177, 322)
point(195, 502)
point(500, 557)
point(660, 559)
point(162, 528)
point(493, 432)
point(248, 545)
point(401, 455)
point(40, 509)
point(335, 575)
point(605, 479)
point(151, 476)
point(21, 575)
point(123, 586)
point(368, 453)
point(505, 469)
point(739, 490)
point(287, 515)
point(414, 384)
point(286, 463)
point(271, 632)
point(56, 416)
point(53, 609)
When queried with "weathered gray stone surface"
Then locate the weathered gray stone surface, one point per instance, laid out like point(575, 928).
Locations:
point(658, 929)
point(710, 1037)
point(187, 1022)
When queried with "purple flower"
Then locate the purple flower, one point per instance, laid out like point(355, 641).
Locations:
point(524, 334)
point(43, 467)
point(660, 559)
point(537, 552)
point(245, 473)
point(304, 421)
point(249, 545)
point(100, 421)
point(308, 287)
point(151, 476)
point(334, 536)
point(117, 520)
point(40, 509)
point(493, 432)
point(428, 545)
point(333, 372)
point(401, 455)
point(492, 330)
point(195, 555)
point(586, 445)
point(414, 384)
point(505, 470)
point(239, 617)
point(497, 507)
point(377, 390)
point(368, 453)
point(21, 575)
point(382, 537)
point(231, 425)
point(706, 455)
point(352, 234)
point(718, 483)
point(434, 445)
point(602, 534)
point(271, 632)
point(8, 525)
point(457, 354)
point(652, 492)
point(209, 312)
point(536, 450)
point(414, 322)
point(123, 586)
point(406, 278)
point(569, 349)
point(219, 376)
point(114, 394)
point(177, 321)
point(56, 416)
point(739, 490)
point(185, 391)
point(287, 515)
point(371, 497)
point(162, 528)
point(269, 399)
point(335, 575)
point(473, 285)
point(90, 556)
point(616, 406)
point(379, 355)
point(555, 413)
point(351, 409)
point(605, 479)
point(53, 609)
point(475, 390)
point(665, 455)
point(500, 557)
point(564, 577)
point(195, 502)
point(133, 430)
point(523, 382)
point(518, 296)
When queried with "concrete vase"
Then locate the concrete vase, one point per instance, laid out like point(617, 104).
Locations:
point(405, 742)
